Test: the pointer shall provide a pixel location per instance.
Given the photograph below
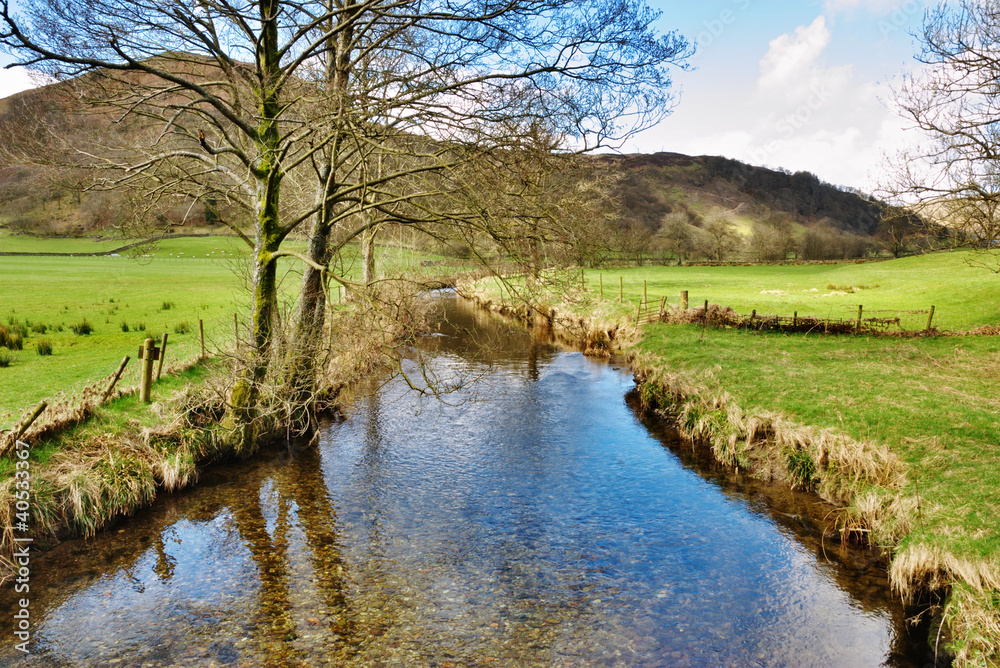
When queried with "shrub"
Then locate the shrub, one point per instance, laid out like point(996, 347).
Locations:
point(124, 326)
point(43, 347)
point(4, 336)
point(82, 327)
point(6, 358)
point(182, 328)
point(15, 342)
point(39, 328)
point(19, 329)
point(141, 327)
point(167, 306)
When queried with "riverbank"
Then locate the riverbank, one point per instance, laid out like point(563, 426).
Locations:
point(901, 434)
point(93, 463)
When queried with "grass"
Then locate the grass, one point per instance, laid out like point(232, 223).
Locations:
point(933, 401)
point(123, 301)
point(65, 293)
point(964, 296)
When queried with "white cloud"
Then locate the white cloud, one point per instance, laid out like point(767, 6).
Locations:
point(14, 80)
point(791, 66)
point(789, 57)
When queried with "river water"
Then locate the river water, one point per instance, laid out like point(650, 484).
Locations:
point(528, 517)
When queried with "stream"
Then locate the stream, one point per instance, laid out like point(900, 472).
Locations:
point(530, 515)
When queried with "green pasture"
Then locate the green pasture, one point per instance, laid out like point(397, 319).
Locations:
point(964, 295)
point(167, 287)
point(110, 294)
point(933, 400)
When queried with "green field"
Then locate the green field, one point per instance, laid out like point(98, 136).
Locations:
point(964, 295)
point(162, 289)
point(110, 294)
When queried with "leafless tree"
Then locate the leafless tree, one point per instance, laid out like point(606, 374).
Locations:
point(953, 178)
point(240, 101)
point(678, 236)
point(771, 240)
point(721, 238)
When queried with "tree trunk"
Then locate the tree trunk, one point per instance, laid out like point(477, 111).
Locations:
point(310, 316)
point(269, 235)
point(368, 257)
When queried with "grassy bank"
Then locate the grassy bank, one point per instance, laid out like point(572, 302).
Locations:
point(904, 434)
point(965, 296)
point(123, 300)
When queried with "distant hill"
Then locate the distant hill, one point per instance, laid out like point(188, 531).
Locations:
point(40, 199)
point(653, 185)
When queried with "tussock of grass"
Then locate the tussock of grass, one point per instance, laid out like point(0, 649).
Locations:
point(82, 328)
point(826, 461)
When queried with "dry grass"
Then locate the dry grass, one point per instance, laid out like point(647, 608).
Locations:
point(603, 329)
point(830, 463)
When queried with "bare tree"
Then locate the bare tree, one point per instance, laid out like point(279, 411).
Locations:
point(721, 238)
point(771, 240)
point(678, 236)
point(954, 177)
point(236, 100)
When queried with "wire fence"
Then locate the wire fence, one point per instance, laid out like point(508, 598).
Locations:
point(91, 390)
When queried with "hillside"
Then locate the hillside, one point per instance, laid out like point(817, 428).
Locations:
point(38, 197)
point(653, 185)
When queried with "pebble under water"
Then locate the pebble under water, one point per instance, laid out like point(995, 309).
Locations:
point(530, 517)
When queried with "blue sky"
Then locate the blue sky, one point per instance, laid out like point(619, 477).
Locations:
point(803, 85)
point(799, 84)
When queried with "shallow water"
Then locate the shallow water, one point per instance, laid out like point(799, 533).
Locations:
point(528, 517)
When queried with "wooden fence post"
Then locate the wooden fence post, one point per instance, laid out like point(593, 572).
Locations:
point(860, 309)
point(23, 427)
point(930, 319)
point(114, 381)
point(201, 335)
point(684, 300)
point(163, 353)
point(663, 307)
point(146, 380)
point(795, 318)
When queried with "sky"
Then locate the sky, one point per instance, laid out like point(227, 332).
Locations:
point(802, 85)
point(797, 84)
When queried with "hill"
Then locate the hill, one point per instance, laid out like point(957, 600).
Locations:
point(653, 185)
point(38, 197)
